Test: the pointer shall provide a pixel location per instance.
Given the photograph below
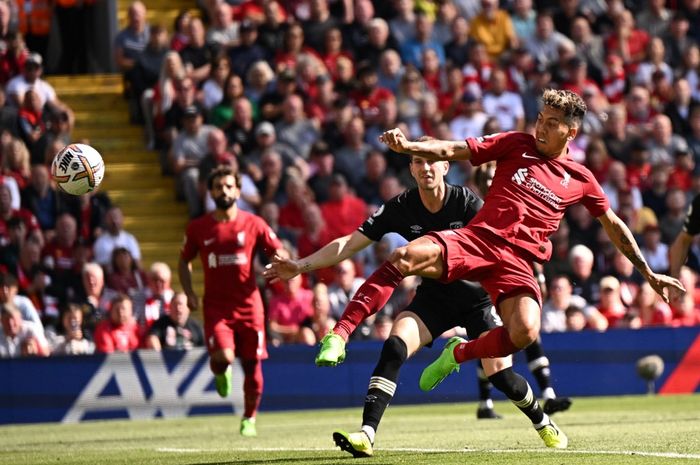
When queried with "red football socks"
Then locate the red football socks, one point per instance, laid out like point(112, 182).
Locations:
point(495, 343)
point(368, 299)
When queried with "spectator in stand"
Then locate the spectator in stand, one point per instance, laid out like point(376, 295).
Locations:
point(31, 122)
point(343, 212)
point(585, 281)
point(343, 288)
point(299, 195)
point(288, 310)
point(119, 332)
point(686, 311)
point(72, 339)
point(493, 27)
point(13, 58)
point(265, 140)
point(149, 64)
point(94, 298)
point(314, 236)
point(176, 330)
point(502, 104)
point(545, 44)
point(9, 115)
point(274, 178)
point(617, 183)
point(187, 152)
point(159, 294)
point(9, 289)
point(43, 199)
point(560, 300)
point(655, 18)
point(611, 306)
point(629, 278)
point(7, 212)
point(369, 95)
point(58, 133)
point(320, 323)
point(671, 223)
point(403, 25)
point(651, 308)
point(321, 164)
point(293, 48)
point(180, 26)
point(212, 92)
point(232, 89)
point(15, 162)
point(197, 55)
point(375, 171)
point(248, 51)
point(222, 32)
point(267, 91)
point(412, 49)
point(240, 130)
point(157, 101)
point(694, 137)
point(680, 109)
point(90, 210)
point(389, 73)
point(350, 157)
point(654, 251)
point(16, 235)
point(378, 41)
point(664, 143)
point(60, 256)
point(128, 45)
point(115, 236)
point(125, 277)
point(295, 129)
point(18, 337)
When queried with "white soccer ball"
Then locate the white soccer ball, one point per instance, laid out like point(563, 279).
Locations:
point(78, 169)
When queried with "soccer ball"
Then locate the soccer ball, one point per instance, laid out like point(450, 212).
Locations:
point(78, 169)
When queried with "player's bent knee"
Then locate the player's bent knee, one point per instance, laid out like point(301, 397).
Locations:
point(223, 356)
point(494, 365)
point(523, 336)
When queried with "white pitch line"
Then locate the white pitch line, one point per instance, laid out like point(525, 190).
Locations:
point(671, 455)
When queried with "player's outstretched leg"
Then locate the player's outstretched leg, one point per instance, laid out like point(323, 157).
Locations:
point(538, 364)
point(442, 367)
point(358, 444)
point(332, 351)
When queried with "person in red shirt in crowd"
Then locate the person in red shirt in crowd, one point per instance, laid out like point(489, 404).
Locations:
point(7, 212)
point(535, 181)
point(369, 94)
point(234, 318)
point(579, 81)
point(292, 49)
point(61, 255)
point(614, 79)
point(343, 212)
point(627, 41)
point(299, 195)
point(314, 236)
point(119, 332)
point(288, 310)
point(333, 50)
point(125, 277)
point(651, 309)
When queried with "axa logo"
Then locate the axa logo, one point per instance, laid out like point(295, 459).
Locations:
point(520, 176)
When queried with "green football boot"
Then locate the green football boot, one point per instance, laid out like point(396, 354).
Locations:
point(553, 436)
point(442, 367)
point(223, 383)
point(358, 444)
point(332, 351)
point(248, 429)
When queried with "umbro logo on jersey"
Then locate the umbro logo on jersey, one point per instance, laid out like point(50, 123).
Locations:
point(525, 155)
point(416, 228)
point(520, 175)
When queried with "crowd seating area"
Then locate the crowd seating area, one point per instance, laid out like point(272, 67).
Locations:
point(295, 94)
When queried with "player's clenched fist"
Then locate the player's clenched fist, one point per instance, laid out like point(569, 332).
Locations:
point(394, 139)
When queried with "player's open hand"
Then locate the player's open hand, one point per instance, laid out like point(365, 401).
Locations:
point(281, 268)
point(394, 139)
point(661, 282)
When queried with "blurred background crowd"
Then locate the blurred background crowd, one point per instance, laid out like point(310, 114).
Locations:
point(295, 94)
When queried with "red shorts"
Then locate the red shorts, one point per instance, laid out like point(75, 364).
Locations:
point(472, 255)
point(245, 338)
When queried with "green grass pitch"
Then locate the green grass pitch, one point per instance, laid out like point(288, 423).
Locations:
point(607, 430)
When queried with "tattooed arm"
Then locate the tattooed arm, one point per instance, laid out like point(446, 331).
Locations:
point(622, 237)
point(432, 149)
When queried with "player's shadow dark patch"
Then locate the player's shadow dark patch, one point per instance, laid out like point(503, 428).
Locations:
point(316, 460)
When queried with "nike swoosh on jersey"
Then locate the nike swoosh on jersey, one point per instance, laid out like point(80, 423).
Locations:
point(525, 155)
point(208, 241)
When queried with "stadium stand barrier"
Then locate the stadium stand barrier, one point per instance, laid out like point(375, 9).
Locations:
point(146, 384)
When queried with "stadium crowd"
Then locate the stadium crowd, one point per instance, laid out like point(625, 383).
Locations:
point(294, 95)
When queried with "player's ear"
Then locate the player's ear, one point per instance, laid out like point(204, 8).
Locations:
point(573, 130)
point(446, 167)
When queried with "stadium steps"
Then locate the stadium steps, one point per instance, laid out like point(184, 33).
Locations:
point(133, 178)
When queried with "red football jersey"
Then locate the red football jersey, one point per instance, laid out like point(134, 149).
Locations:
point(530, 192)
point(227, 249)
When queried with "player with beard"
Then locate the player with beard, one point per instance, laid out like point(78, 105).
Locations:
point(432, 206)
point(234, 318)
